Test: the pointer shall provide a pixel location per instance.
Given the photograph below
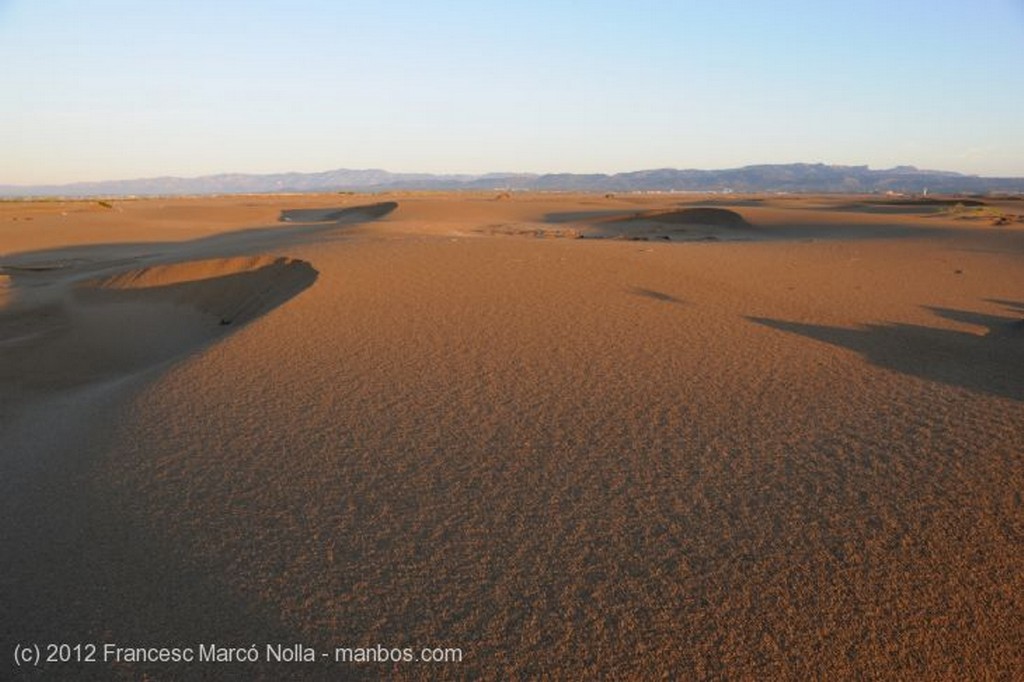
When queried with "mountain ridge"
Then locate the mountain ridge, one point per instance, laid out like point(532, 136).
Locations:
point(792, 177)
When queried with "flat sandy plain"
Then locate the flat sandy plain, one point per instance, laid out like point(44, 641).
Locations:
point(576, 436)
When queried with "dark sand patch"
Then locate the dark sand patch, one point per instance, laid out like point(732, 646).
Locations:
point(537, 230)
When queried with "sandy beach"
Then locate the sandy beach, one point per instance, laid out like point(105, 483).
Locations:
point(574, 436)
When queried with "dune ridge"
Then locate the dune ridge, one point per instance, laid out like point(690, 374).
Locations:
point(336, 215)
point(64, 311)
point(229, 289)
point(139, 318)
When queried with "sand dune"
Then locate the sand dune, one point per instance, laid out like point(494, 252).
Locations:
point(686, 224)
point(77, 315)
point(430, 424)
point(709, 217)
point(321, 215)
point(231, 290)
point(138, 318)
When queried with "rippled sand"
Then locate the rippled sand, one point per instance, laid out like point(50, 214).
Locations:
point(576, 436)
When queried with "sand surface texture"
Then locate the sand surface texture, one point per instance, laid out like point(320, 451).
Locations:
point(578, 437)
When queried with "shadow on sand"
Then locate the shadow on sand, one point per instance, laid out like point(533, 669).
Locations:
point(84, 562)
point(64, 323)
point(656, 295)
point(991, 362)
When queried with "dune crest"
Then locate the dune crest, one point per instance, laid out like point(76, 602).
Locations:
point(707, 217)
point(231, 289)
point(179, 273)
point(121, 323)
point(338, 215)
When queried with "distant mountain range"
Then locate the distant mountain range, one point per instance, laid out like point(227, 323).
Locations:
point(794, 177)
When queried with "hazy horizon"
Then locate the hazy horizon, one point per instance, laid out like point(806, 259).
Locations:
point(456, 173)
point(115, 90)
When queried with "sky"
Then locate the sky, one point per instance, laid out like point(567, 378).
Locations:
point(113, 89)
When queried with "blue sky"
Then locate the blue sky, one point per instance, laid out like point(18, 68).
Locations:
point(109, 89)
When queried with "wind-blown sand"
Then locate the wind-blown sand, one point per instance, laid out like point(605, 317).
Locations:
point(575, 436)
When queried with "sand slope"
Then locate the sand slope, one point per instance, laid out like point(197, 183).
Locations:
point(785, 457)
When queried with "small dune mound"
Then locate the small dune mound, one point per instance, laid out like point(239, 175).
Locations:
point(705, 217)
point(669, 224)
point(338, 215)
point(926, 201)
point(229, 289)
point(912, 206)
